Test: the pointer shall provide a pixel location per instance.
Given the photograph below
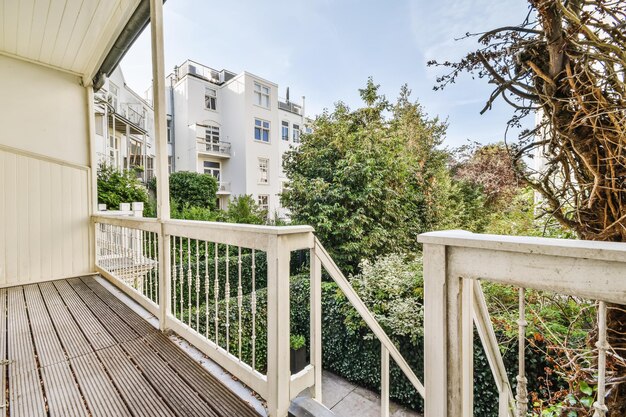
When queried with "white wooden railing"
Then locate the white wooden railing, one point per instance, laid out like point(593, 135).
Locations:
point(201, 297)
point(455, 261)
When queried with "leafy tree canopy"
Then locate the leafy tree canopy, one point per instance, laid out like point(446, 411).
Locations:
point(366, 178)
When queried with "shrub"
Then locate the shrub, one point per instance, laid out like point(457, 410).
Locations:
point(243, 209)
point(193, 189)
point(115, 187)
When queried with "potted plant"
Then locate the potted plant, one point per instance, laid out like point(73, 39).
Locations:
point(298, 353)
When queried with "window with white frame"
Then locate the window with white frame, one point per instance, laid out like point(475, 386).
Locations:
point(169, 131)
point(262, 95)
point(285, 130)
point(212, 138)
point(212, 168)
point(261, 130)
point(169, 164)
point(264, 202)
point(210, 98)
point(296, 133)
point(112, 96)
point(264, 171)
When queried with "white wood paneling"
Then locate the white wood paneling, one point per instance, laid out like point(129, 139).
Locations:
point(44, 219)
point(70, 35)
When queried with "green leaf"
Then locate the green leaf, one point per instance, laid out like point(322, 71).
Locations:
point(586, 401)
point(585, 388)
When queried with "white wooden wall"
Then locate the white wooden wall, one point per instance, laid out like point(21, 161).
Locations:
point(44, 218)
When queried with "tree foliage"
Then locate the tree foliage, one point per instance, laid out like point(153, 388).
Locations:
point(243, 209)
point(365, 181)
point(193, 189)
point(115, 187)
point(566, 63)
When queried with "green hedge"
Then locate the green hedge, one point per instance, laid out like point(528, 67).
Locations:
point(355, 354)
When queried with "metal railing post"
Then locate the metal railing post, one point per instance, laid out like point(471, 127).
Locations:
point(278, 327)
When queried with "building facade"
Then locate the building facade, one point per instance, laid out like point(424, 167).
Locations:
point(234, 127)
point(124, 124)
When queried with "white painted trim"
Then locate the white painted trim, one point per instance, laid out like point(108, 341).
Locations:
point(130, 292)
point(41, 157)
point(301, 381)
point(43, 64)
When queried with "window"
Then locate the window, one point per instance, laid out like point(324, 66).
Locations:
point(264, 202)
point(169, 164)
point(169, 131)
point(296, 133)
point(210, 99)
point(212, 138)
point(212, 168)
point(262, 95)
point(112, 96)
point(264, 171)
point(285, 130)
point(261, 130)
point(308, 130)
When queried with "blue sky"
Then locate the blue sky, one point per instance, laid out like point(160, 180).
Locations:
point(326, 49)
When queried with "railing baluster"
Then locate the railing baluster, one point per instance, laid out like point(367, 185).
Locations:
point(522, 391)
point(181, 275)
point(227, 297)
point(189, 279)
point(384, 381)
point(599, 406)
point(155, 258)
point(253, 306)
point(206, 289)
point(197, 286)
point(174, 288)
point(216, 292)
point(239, 299)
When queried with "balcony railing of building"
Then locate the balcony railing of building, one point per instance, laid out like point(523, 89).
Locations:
point(221, 283)
point(223, 187)
point(202, 71)
point(289, 106)
point(218, 149)
point(454, 265)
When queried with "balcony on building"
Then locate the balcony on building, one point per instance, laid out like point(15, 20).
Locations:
point(289, 106)
point(223, 188)
point(195, 69)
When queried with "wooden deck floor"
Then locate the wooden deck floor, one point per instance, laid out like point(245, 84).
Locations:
point(71, 348)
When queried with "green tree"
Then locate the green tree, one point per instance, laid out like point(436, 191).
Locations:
point(115, 187)
point(365, 179)
point(193, 189)
point(243, 209)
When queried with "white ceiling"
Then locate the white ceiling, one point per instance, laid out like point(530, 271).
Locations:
point(70, 35)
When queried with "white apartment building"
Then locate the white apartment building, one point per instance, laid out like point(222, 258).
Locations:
point(234, 127)
point(124, 124)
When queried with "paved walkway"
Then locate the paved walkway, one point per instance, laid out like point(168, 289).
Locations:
point(348, 400)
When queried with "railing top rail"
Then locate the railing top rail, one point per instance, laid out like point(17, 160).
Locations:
point(141, 223)
point(603, 251)
point(343, 283)
point(250, 228)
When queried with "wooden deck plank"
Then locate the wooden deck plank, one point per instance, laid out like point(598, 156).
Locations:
point(61, 391)
point(98, 390)
point(136, 322)
point(130, 383)
point(120, 331)
point(49, 349)
point(25, 392)
point(213, 391)
point(72, 338)
point(94, 331)
point(183, 400)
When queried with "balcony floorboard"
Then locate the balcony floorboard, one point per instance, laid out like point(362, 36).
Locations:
point(74, 349)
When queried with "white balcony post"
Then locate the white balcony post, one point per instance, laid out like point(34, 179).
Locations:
point(435, 332)
point(160, 133)
point(278, 327)
point(316, 323)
